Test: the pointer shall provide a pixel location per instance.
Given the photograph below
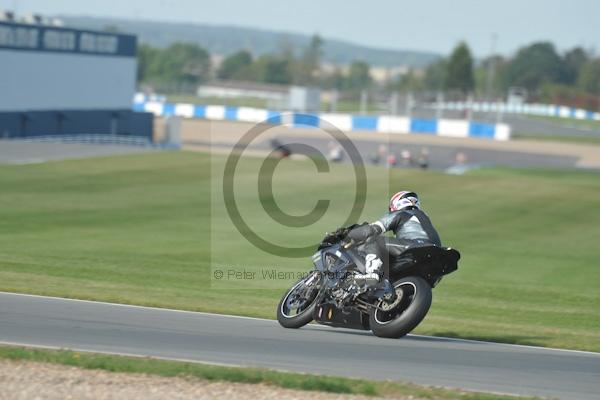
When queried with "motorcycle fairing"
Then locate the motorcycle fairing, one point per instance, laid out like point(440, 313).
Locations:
point(428, 261)
point(328, 314)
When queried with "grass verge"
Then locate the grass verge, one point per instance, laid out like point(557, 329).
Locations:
point(287, 380)
point(345, 106)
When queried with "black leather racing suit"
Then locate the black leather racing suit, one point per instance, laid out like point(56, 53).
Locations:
point(411, 227)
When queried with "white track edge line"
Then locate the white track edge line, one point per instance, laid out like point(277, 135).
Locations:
point(525, 346)
point(133, 306)
point(118, 353)
point(272, 320)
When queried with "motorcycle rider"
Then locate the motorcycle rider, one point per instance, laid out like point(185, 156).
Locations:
point(411, 227)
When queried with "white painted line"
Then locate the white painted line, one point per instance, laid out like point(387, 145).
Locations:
point(134, 306)
point(507, 344)
point(30, 161)
point(273, 321)
point(119, 353)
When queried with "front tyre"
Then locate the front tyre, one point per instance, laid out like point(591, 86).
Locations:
point(298, 304)
point(403, 315)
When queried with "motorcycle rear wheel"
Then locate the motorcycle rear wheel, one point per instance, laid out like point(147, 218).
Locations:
point(412, 306)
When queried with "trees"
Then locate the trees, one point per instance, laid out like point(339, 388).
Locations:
point(268, 68)
point(186, 63)
point(146, 57)
point(411, 81)
point(282, 68)
point(277, 70)
point(489, 77)
point(308, 66)
point(459, 70)
point(358, 77)
point(234, 64)
point(534, 65)
point(573, 60)
point(334, 80)
point(180, 63)
point(435, 76)
point(547, 75)
point(589, 77)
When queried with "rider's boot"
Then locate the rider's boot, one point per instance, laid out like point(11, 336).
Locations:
point(372, 280)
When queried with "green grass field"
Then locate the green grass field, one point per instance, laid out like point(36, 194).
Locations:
point(236, 102)
point(141, 229)
point(350, 106)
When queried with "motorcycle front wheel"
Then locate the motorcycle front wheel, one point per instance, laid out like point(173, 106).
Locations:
point(406, 312)
point(298, 304)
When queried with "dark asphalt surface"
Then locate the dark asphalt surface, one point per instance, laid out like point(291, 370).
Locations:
point(523, 124)
point(23, 152)
point(440, 156)
point(81, 325)
point(444, 156)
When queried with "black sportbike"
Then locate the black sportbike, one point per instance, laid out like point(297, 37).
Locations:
point(331, 296)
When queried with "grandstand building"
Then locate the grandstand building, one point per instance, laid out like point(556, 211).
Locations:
point(56, 81)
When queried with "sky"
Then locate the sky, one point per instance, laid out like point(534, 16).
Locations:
point(430, 25)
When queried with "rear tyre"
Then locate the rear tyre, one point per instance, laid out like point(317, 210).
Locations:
point(402, 316)
point(297, 306)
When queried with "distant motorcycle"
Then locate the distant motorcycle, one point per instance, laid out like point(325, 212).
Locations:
point(330, 296)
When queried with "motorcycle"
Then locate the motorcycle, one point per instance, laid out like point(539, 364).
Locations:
point(330, 295)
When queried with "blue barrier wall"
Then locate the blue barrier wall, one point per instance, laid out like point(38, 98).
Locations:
point(423, 126)
point(481, 130)
point(347, 122)
point(364, 123)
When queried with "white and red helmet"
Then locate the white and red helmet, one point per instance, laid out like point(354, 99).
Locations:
point(402, 200)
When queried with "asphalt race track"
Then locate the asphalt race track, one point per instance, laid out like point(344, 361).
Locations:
point(222, 136)
point(103, 327)
point(24, 152)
